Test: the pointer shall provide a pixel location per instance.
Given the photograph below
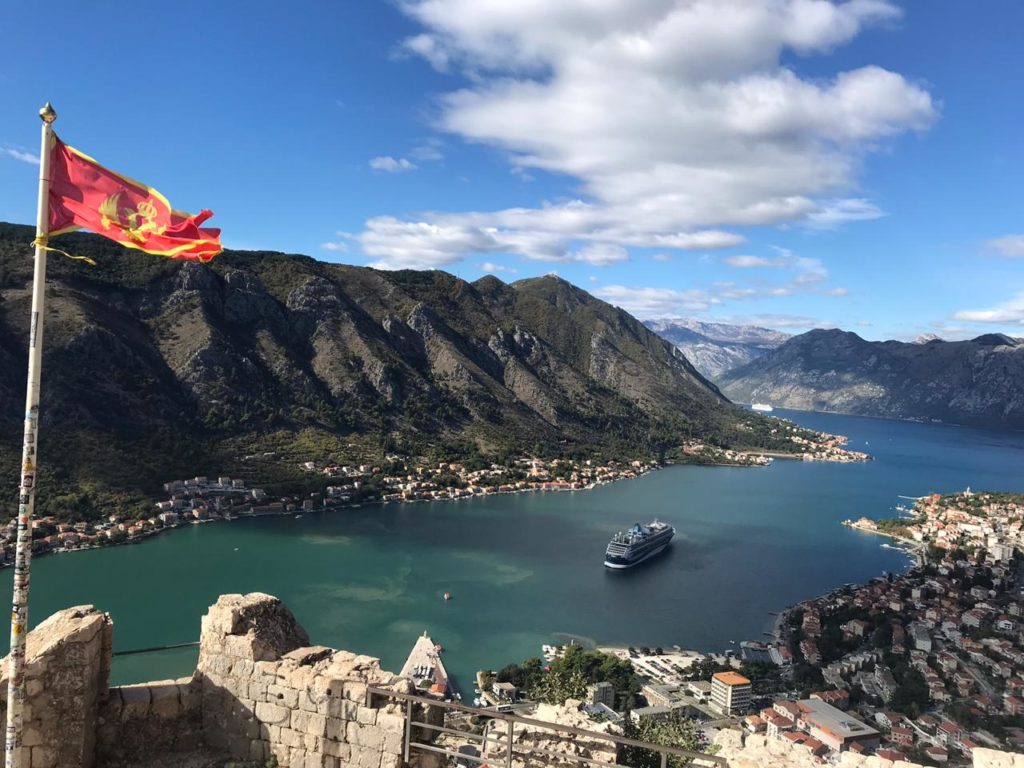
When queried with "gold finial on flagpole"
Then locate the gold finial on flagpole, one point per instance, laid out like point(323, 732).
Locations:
point(48, 114)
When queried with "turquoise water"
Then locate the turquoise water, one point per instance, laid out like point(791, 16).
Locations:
point(527, 569)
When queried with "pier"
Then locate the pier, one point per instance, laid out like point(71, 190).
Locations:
point(425, 668)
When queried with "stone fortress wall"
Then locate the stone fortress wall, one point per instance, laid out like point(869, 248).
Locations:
point(261, 695)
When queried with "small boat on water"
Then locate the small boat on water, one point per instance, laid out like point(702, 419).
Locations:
point(447, 595)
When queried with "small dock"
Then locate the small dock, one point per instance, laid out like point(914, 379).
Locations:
point(425, 668)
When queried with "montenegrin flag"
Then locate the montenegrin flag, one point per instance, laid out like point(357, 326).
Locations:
point(85, 195)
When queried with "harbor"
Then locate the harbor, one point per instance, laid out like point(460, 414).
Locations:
point(426, 670)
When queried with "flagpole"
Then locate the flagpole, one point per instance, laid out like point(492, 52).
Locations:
point(27, 491)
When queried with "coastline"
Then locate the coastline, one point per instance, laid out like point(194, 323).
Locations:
point(737, 459)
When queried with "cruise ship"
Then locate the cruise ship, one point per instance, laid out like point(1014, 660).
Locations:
point(639, 543)
point(763, 407)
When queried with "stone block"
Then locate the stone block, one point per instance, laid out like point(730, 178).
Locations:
point(337, 749)
point(44, 757)
point(312, 743)
point(290, 738)
point(991, 758)
point(283, 696)
point(364, 736)
point(272, 714)
point(390, 721)
point(355, 691)
point(309, 655)
point(316, 724)
point(366, 716)
point(165, 699)
point(135, 701)
point(393, 742)
point(32, 736)
point(335, 728)
point(258, 750)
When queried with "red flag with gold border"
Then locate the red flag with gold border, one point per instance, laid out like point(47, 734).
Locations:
point(85, 195)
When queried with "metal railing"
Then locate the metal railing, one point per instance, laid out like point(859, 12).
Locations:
point(504, 742)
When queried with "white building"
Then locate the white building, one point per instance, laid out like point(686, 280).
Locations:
point(730, 692)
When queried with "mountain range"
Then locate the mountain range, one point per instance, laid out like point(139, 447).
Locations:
point(978, 382)
point(155, 369)
point(716, 348)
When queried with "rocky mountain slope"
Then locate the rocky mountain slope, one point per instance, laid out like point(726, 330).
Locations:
point(156, 369)
point(717, 348)
point(978, 382)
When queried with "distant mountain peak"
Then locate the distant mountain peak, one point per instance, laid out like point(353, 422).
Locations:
point(995, 340)
point(979, 382)
point(715, 348)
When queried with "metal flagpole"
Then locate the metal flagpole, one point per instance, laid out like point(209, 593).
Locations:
point(27, 492)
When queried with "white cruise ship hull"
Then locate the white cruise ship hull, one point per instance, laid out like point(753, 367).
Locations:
point(619, 565)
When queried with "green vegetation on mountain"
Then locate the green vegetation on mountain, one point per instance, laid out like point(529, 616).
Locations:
point(155, 369)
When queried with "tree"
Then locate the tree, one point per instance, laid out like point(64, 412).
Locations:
point(675, 731)
point(911, 695)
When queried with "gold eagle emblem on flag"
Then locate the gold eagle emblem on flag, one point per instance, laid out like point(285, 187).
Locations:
point(138, 223)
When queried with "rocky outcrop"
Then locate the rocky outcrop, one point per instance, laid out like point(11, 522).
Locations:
point(976, 382)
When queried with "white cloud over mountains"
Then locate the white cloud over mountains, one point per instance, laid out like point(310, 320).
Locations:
point(676, 118)
point(806, 276)
point(1009, 312)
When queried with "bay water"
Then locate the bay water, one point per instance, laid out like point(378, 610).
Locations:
point(527, 569)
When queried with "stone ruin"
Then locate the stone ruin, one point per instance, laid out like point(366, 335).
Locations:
point(262, 696)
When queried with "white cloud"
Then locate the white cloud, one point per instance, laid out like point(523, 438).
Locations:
point(1010, 246)
point(750, 262)
point(490, 267)
point(655, 302)
point(833, 213)
point(19, 154)
point(430, 151)
point(709, 128)
point(662, 256)
point(601, 254)
point(1007, 313)
point(545, 234)
point(341, 245)
point(390, 164)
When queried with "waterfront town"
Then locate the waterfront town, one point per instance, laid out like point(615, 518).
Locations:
point(925, 667)
point(394, 479)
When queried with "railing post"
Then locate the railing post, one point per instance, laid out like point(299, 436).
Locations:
point(508, 752)
point(664, 760)
point(408, 729)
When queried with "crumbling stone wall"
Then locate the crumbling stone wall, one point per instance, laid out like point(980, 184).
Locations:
point(67, 673)
point(260, 694)
point(266, 694)
point(149, 719)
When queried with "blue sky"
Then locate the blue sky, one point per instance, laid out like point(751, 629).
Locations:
point(789, 162)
